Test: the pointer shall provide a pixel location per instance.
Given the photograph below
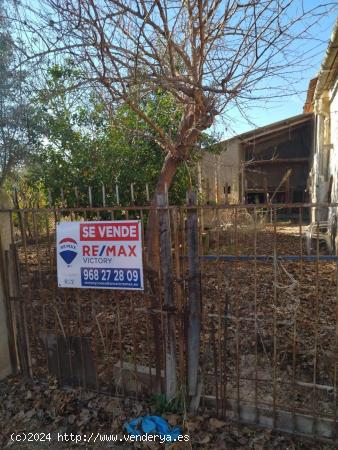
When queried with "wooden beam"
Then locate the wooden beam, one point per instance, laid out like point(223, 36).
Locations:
point(262, 190)
point(284, 179)
point(263, 162)
point(268, 133)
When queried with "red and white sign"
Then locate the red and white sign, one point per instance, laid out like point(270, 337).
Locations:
point(103, 231)
point(102, 255)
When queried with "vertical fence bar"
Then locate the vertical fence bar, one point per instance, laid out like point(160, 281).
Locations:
point(76, 191)
point(134, 343)
point(132, 193)
point(117, 194)
point(50, 201)
point(20, 314)
point(37, 246)
point(217, 352)
point(194, 300)
point(179, 295)
point(225, 358)
point(90, 198)
point(275, 295)
point(57, 292)
point(294, 328)
point(50, 276)
point(215, 357)
point(256, 315)
point(153, 274)
point(204, 311)
point(316, 319)
point(63, 204)
point(169, 302)
point(93, 300)
point(49, 243)
point(103, 195)
point(335, 368)
point(119, 329)
point(77, 314)
point(80, 325)
point(147, 303)
point(17, 205)
point(237, 331)
point(63, 317)
point(25, 230)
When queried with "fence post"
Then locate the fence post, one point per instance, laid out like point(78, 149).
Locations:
point(19, 324)
point(6, 361)
point(194, 300)
point(169, 302)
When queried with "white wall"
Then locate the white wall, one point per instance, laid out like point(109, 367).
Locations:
point(325, 159)
point(221, 170)
point(334, 140)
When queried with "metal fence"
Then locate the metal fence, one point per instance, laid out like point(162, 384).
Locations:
point(268, 313)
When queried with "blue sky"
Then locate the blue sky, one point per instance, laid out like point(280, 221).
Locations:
point(269, 111)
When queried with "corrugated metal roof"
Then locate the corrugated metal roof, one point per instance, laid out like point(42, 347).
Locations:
point(271, 128)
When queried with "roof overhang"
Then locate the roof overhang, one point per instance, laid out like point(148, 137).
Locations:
point(272, 129)
point(329, 70)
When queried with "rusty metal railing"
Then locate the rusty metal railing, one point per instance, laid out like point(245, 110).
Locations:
point(269, 339)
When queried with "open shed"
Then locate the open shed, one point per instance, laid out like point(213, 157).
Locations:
point(270, 163)
point(275, 161)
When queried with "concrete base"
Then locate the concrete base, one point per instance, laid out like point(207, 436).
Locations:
point(261, 416)
point(322, 428)
point(140, 379)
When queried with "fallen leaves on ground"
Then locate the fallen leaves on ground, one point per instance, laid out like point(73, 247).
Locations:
point(38, 407)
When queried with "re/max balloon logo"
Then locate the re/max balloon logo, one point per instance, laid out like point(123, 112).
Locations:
point(68, 249)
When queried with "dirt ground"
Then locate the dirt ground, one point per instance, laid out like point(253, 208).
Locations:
point(43, 408)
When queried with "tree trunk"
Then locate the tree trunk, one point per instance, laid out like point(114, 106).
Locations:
point(164, 182)
point(166, 177)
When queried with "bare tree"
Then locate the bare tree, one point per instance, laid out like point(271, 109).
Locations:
point(206, 53)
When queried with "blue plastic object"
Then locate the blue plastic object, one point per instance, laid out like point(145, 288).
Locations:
point(152, 425)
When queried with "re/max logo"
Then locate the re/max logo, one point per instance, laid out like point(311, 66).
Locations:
point(109, 250)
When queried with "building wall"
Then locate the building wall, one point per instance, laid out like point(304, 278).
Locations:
point(320, 172)
point(333, 165)
point(220, 172)
point(323, 178)
point(324, 171)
